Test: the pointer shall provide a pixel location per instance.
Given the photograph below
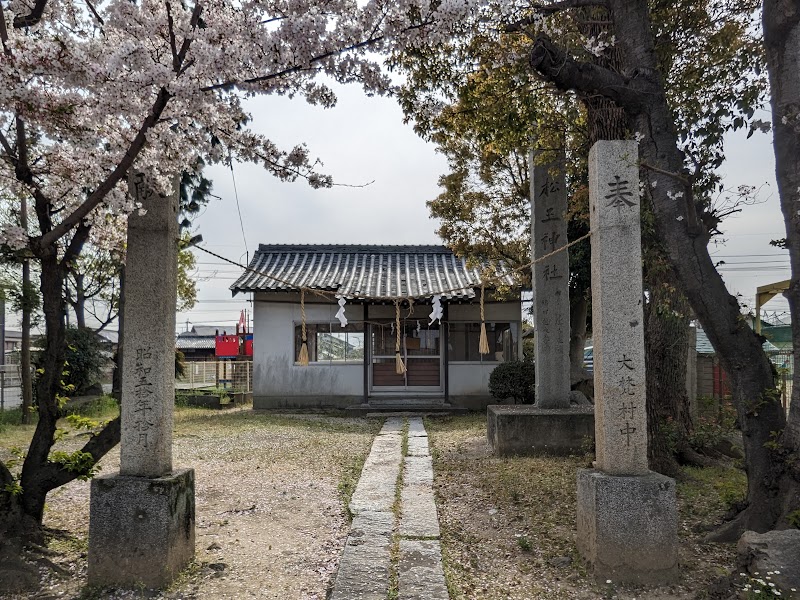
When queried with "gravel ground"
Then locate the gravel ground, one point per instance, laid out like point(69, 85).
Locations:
point(271, 519)
point(508, 524)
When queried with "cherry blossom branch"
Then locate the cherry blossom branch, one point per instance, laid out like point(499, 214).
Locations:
point(4, 33)
point(94, 12)
point(172, 43)
point(31, 18)
point(362, 44)
point(549, 9)
point(108, 184)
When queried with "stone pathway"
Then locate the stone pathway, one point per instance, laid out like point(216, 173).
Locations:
point(394, 537)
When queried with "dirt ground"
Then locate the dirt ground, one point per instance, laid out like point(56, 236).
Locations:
point(508, 524)
point(270, 517)
point(271, 521)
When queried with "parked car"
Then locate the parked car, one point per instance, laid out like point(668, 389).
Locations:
point(588, 359)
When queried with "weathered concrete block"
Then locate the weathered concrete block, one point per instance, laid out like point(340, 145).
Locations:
point(419, 517)
point(376, 487)
point(418, 446)
point(628, 526)
point(364, 569)
point(532, 431)
point(420, 572)
point(141, 530)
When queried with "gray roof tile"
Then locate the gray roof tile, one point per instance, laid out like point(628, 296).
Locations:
point(364, 271)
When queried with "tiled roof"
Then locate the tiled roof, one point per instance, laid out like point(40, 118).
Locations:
point(704, 344)
point(195, 342)
point(364, 271)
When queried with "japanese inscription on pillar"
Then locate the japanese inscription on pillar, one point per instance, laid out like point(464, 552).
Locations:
point(617, 318)
point(148, 344)
point(550, 279)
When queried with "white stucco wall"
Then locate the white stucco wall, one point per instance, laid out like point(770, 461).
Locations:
point(472, 378)
point(276, 376)
point(275, 373)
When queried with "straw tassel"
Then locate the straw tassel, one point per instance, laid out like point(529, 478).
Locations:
point(303, 358)
point(400, 368)
point(483, 346)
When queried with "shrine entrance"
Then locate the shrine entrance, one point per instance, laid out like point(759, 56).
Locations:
point(420, 348)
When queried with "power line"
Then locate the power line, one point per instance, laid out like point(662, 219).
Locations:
point(238, 208)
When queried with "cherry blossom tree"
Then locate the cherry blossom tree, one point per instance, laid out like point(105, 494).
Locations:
point(90, 90)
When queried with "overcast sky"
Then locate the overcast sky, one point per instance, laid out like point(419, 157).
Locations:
point(364, 140)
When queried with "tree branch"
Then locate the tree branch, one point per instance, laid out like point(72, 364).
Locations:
point(55, 475)
point(193, 22)
point(97, 196)
point(549, 9)
point(556, 66)
point(31, 18)
point(94, 12)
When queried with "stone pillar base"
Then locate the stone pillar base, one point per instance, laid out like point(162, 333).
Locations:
point(534, 431)
point(628, 526)
point(141, 530)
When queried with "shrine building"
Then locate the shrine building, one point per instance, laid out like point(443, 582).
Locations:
point(367, 313)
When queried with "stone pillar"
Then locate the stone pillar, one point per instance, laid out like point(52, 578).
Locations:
point(141, 527)
point(552, 425)
point(550, 282)
point(627, 515)
point(148, 377)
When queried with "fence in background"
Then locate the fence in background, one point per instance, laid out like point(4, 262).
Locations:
point(784, 363)
point(10, 386)
point(232, 374)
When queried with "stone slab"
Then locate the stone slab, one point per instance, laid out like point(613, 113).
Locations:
point(418, 516)
point(392, 425)
point(418, 446)
point(628, 526)
point(550, 278)
point(376, 487)
point(141, 530)
point(364, 568)
point(418, 470)
point(421, 576)
point(617, 316)
point(416, 427)
point(528, 430)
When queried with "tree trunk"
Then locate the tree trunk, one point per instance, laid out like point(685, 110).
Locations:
point(639, 89)
point(666, 351)
point(79, 306)
point(781, 23)
point(27, 309)
point(578, 312)
point(665, 332)
point(25, 349)
point(47, 388)
point(781, 20)
point(685, 240)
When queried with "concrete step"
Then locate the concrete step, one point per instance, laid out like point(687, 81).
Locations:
point(402, 409)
